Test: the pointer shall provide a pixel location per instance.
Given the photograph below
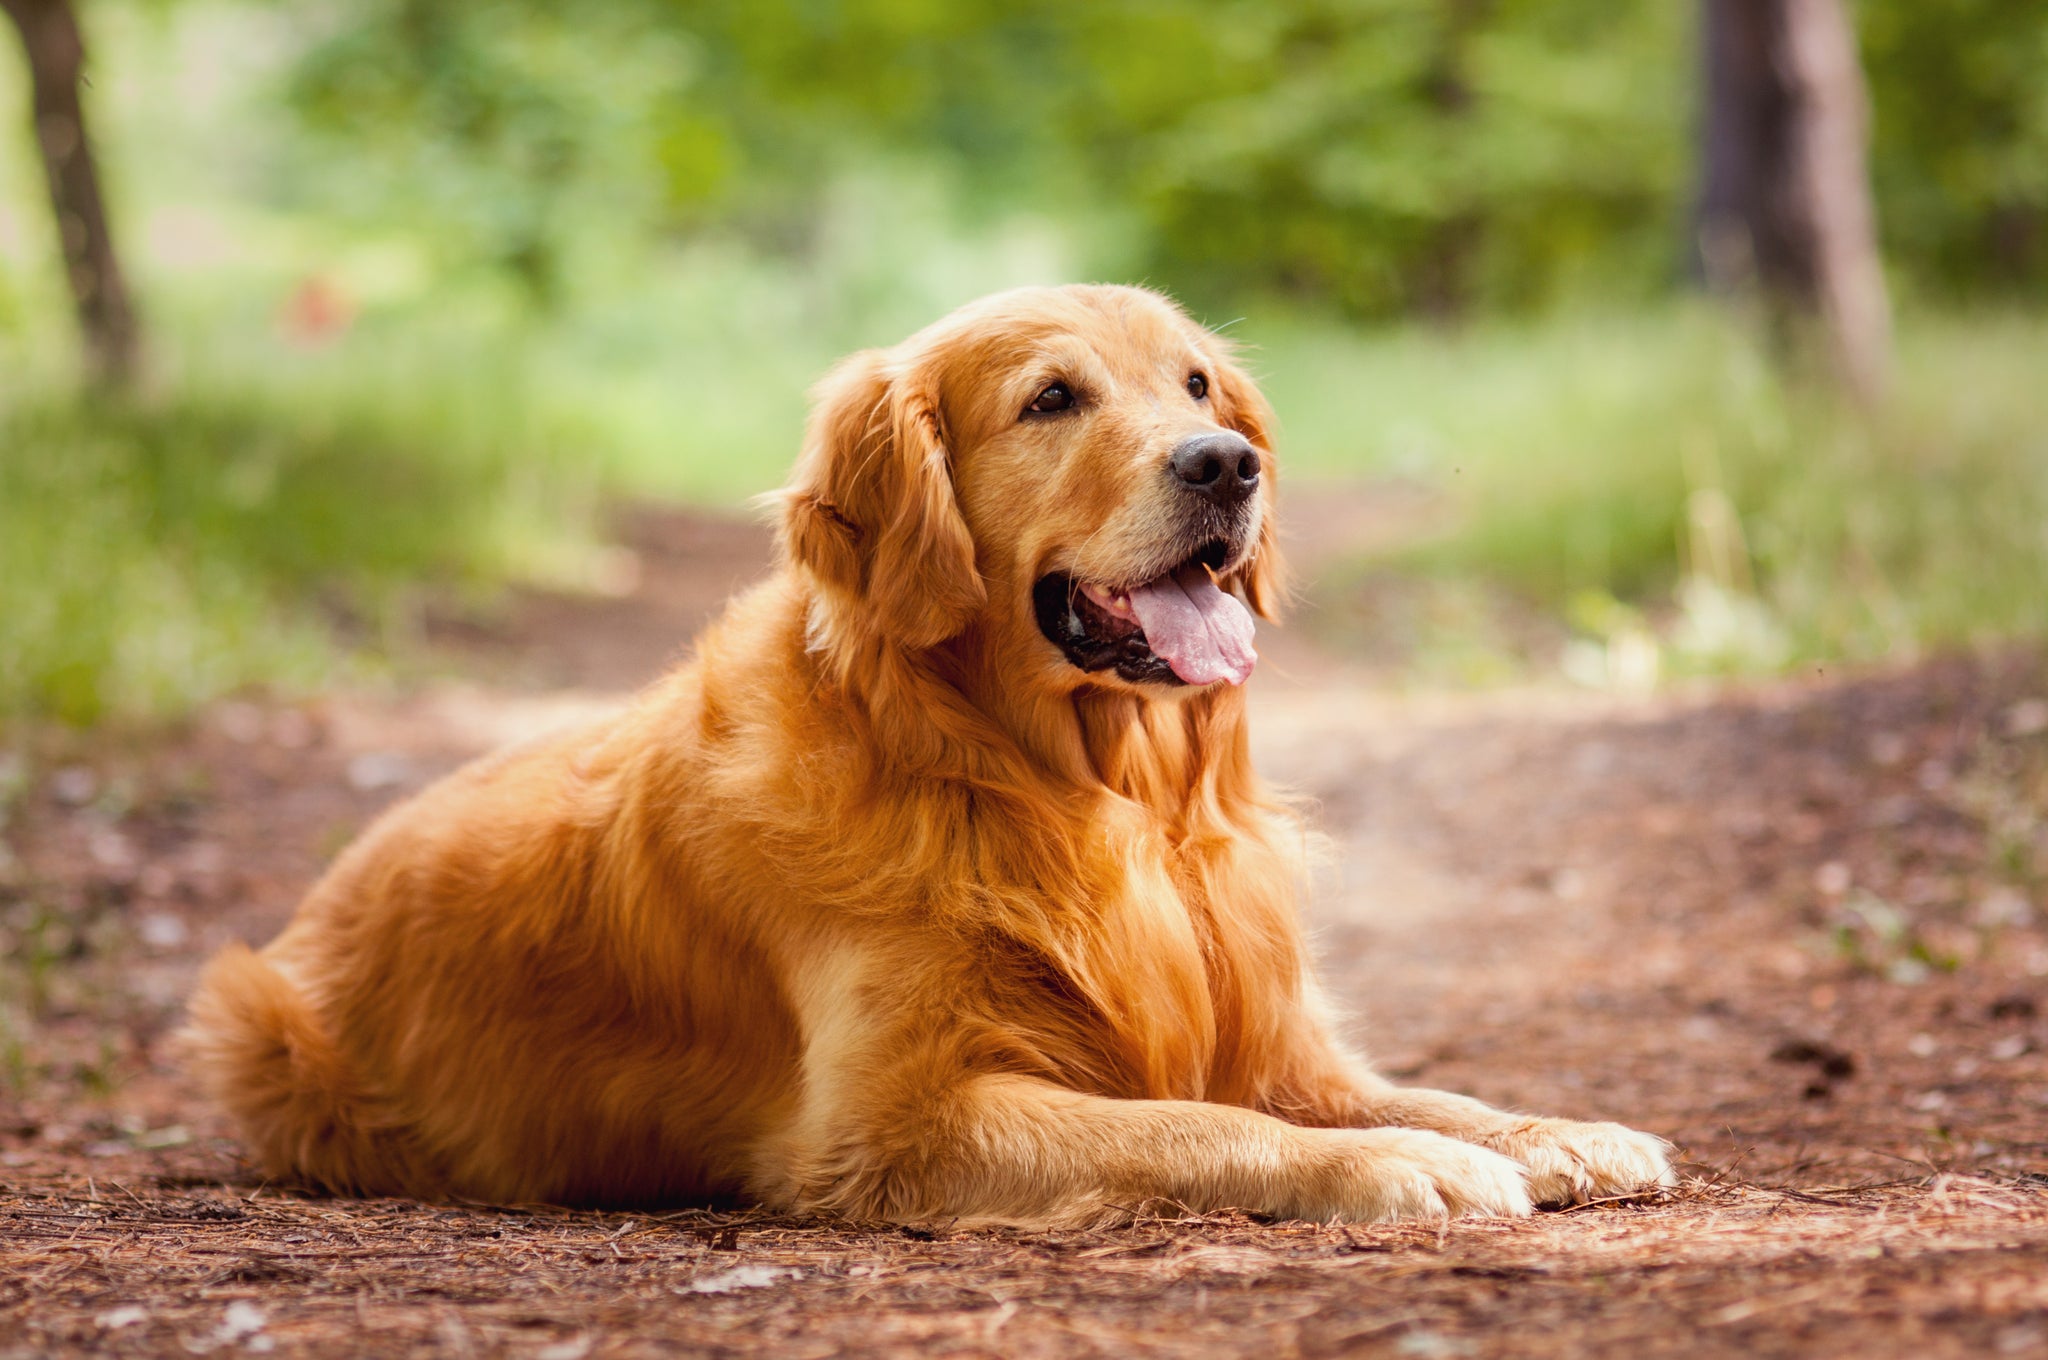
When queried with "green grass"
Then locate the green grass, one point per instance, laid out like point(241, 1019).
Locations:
point(268, 527)
point(1655, 475)
point(266, 514)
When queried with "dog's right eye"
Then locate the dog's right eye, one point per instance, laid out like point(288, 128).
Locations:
point(1057, 397)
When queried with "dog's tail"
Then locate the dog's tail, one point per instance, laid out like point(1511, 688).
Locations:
point(259, 1049)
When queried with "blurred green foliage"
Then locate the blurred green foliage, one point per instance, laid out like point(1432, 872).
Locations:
point(161, 550)
point(1376, 156)
point(427, 284)
point(1379, 157)
point(1960, 160)
point(1656, 473)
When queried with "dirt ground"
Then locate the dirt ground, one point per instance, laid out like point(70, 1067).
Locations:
point(1794, 927)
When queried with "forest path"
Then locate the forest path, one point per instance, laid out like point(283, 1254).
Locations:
point(1789, 926)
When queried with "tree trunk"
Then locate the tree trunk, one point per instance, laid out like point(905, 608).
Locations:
point(1785, 191)
point(56, 58)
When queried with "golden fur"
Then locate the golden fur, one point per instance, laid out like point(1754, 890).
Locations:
point(878, 906)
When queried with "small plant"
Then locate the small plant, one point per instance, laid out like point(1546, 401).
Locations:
point(1876, 936)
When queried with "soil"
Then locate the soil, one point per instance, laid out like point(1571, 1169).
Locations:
point(1794, 927)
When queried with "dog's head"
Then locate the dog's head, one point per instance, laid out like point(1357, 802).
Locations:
point(1082, 473)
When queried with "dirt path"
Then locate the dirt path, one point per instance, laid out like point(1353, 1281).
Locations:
point(1793, 927)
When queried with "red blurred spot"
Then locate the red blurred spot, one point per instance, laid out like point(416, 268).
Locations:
point(317, 311)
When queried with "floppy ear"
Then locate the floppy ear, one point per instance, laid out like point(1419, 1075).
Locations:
point(870, 509)
point(1242, 407)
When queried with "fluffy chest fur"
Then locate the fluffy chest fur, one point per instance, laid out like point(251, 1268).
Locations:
point(1114, 910)
point(1183, 957)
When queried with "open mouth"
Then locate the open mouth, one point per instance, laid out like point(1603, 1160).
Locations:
point(1179, 628)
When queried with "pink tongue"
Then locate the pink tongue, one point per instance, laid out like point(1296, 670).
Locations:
point(1195, 627)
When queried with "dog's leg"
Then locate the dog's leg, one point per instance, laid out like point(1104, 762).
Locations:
point(1569, 1161)
point(1017, 1150)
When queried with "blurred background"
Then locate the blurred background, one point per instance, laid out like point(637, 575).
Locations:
point(1644, 338)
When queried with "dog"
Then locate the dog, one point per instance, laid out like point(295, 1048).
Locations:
point(937, 886)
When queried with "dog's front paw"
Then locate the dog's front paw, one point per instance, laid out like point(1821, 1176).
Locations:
point(1570, 1162)
point(1392, 1174)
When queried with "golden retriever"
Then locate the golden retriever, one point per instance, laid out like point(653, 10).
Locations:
point(936, 887)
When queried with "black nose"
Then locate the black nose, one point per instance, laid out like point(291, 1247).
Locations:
point(1222, 466)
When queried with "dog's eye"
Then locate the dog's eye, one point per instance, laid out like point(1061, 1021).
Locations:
point(1198, 386)
point(1058, 397)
